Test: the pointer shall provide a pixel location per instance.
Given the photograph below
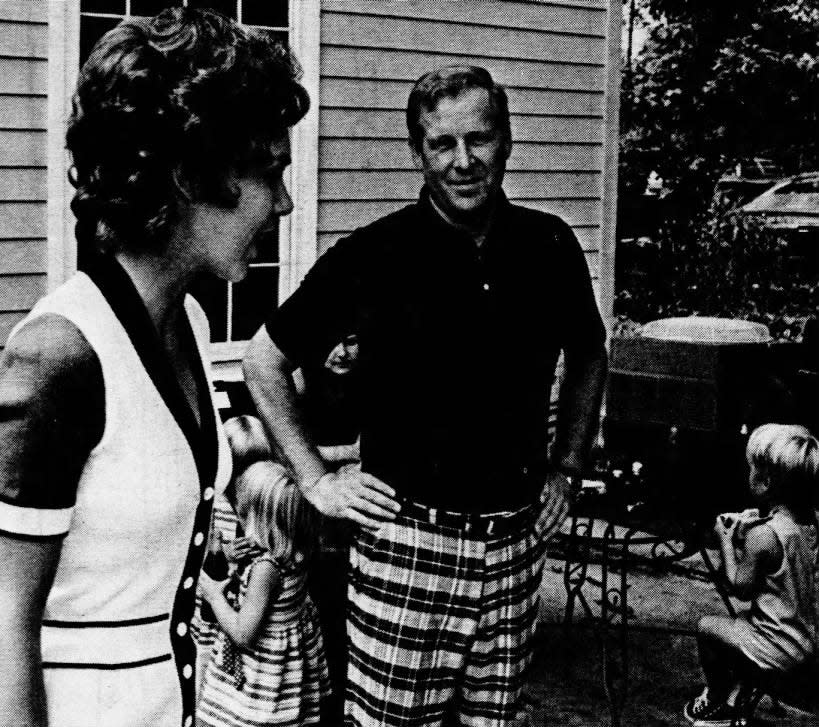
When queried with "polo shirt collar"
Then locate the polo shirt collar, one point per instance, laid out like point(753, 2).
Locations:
point(438, 224)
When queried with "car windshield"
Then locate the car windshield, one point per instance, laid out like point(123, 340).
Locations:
point(800, 186)
point(767, 168)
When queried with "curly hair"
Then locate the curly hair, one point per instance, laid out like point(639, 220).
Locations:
point(187, 95)
point(449, 82)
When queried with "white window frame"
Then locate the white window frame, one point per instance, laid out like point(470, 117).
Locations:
point(298, 245)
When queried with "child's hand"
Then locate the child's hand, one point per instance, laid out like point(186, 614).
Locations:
point(726, 524)
point(211, 589)
point(238, 549)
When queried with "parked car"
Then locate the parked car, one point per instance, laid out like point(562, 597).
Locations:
point(790, 207)
point(744, 180)
point(789, 210)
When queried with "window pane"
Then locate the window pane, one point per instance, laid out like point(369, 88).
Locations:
point(152, 7)
point(267, 248)
point(103, 6)
point(226, 7)
point(253, 300)
point(212, 296)
point(91, 30)
point(265, 12)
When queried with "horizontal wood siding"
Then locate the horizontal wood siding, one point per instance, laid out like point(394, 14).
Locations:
point(550, 56)
point(23, 183)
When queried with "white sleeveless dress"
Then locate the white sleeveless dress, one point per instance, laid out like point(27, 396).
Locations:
point(116, 644)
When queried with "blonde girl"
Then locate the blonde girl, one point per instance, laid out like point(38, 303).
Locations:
point(248, 444)
point(268, 667)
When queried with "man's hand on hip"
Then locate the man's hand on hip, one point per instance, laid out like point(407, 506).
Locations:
point(555, 501)
point(354, 495)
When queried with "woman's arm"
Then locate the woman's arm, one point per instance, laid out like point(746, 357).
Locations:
point(51, 417)
point(26, 575)
point(243, 625)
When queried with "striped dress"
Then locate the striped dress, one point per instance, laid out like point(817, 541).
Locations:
point(284, 673)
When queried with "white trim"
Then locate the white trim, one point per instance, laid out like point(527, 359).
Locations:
point(303, 222)
point(34, 521)
point(110, 644)
point(227, 351)
point(611, 125)
point(63, 65)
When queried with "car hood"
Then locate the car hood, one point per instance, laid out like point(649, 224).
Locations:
point(784, 204)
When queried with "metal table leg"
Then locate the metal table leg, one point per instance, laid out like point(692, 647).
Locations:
point(614, 624)
point(576, 566)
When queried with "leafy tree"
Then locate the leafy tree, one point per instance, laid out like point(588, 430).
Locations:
point(716, 82)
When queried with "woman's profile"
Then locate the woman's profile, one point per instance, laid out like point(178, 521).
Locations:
point(111, 450)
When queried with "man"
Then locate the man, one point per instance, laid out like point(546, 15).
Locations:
point(461, 303)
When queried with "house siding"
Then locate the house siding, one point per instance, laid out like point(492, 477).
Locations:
point(23, 122)
point(558, 59)
point(553, 59)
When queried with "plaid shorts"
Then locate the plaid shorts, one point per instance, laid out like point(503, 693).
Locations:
point(440, 625)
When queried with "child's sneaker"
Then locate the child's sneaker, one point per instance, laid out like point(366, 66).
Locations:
point(704, 712)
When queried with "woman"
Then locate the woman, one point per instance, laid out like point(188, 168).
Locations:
point(110, 451)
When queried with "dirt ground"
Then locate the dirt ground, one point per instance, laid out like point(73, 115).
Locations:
point(566, 685)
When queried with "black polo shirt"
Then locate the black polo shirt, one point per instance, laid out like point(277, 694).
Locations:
point(457, 346)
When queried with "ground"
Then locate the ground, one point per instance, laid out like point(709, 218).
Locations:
point(566, 687)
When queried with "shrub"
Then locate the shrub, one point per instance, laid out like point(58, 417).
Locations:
point(715, 266)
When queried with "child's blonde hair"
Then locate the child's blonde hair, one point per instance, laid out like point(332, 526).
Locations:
point(275, 514)
point(248, 441)
point(787, 456)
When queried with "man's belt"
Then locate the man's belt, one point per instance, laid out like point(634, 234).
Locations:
point(490, 525)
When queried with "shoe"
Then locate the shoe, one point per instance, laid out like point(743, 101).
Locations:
point(703, 712)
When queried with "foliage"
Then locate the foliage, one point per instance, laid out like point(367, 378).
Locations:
point(716, 82)
point(711, 268)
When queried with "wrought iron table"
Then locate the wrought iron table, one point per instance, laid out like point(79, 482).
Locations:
point(625, 541)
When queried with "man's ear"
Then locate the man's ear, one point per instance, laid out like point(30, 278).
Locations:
point(416, 156)
point(507, 146)
point(182, 185)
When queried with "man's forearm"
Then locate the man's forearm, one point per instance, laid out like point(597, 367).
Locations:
point(269, 379)
point(581, 393)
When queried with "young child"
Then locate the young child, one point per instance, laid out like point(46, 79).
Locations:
point(248, 443)
point(268, 667)
point(330, 409)
point(768, 558)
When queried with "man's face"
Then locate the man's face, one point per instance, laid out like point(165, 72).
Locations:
point(463, 155)
point(344, 356)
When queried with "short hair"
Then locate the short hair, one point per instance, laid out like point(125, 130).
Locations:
point(449, 82)
point(187, 95)
point(787, 455)
point(275, 514)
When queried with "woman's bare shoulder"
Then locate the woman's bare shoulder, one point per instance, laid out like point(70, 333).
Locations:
point(50, 373)
point(53, 343)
